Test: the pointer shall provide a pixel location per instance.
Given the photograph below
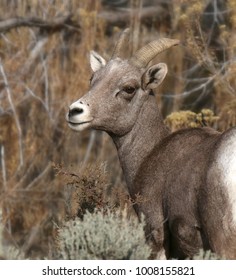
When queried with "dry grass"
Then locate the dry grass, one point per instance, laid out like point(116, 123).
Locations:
point(43, 71)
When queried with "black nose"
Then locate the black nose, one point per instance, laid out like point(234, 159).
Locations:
point(75, 111)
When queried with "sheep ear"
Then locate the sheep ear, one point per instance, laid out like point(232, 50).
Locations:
point(96, 61)
point(154, 76)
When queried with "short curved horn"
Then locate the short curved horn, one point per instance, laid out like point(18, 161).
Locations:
point(143, 56)
point(122, 42)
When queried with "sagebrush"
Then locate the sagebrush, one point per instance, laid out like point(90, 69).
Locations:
point(103, 236)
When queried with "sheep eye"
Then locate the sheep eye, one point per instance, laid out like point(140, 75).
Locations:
point(129, 89)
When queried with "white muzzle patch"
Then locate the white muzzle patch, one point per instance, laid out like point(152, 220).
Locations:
point(79, 116)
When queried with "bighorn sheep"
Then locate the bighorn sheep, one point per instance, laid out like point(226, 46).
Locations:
point(187, 179)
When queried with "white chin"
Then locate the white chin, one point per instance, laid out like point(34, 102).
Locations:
point(79, 127)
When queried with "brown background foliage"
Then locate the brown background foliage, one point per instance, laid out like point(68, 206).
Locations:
point(49, 173)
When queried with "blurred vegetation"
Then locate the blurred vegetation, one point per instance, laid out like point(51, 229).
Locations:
point(206, 255)
point(103, 236)
point(186, 119)
point(49, 174)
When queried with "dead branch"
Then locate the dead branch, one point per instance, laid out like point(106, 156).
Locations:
point(124, 14)
point(54, 24)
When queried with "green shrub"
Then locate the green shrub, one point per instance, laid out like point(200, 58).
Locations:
point(104, 236)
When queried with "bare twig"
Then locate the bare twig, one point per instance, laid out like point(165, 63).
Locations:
point(4, 179)
point(30, 91)
point(4, 173)
point(189, 92)
point(46, 83)
point(90, 145)
point(40, 176)
point(54, 24)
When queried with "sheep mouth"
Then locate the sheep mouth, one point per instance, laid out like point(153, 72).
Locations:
point(78, 123)
point(79, 126)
